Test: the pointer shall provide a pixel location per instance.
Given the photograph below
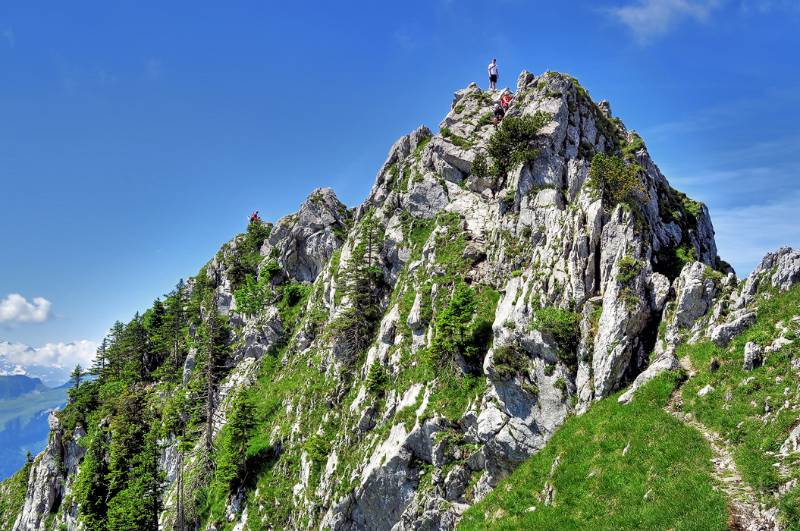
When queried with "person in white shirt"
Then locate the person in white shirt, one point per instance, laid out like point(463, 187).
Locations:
point(493, 71)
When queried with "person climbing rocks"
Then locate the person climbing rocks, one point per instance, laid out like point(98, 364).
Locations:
point(501, 107)
point(254, 217)
point(493, 72)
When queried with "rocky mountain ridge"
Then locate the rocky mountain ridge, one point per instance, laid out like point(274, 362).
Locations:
point(400, 359)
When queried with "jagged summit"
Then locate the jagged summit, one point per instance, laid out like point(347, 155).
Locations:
point(388, 366)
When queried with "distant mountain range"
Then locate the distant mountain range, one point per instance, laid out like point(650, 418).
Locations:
point(25, 403)
point(50, 375)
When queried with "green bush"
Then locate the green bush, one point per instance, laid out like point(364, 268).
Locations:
point(484, 120)
point(615, 181)
point(459, 141)
point(271, 269)
point(562, 326)
point(670, 261)
point(376, 378)
point(251, 296)
point(290, 304)
point(508, 361)
point(561, 385)
point(629, 149)
point(247, 255)
point(510, 145)
point(479, 167)
point(629, 268)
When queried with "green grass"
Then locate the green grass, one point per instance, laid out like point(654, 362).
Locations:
point(663, 482)
point(12, 496)
point(737, 419)
point(459, 141)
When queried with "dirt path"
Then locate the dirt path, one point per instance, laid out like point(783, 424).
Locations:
point(746, 513)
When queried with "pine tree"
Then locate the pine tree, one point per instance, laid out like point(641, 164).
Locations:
point(100, 359)
point(175, 319)
point(362, 283)
point(76, 376)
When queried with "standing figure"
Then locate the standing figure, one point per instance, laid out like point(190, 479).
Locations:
point(493, 72)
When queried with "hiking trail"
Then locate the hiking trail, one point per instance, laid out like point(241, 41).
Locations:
point(746, 513)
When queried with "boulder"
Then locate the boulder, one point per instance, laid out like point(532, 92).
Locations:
point(752, 356)
point(722, 334)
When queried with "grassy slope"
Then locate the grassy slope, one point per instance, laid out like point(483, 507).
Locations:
point(741, 419)
point(12, 496)
point(662, 482)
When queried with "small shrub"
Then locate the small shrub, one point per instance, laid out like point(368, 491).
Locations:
point(271, 269)
point(508, 361)
point(629, 268)
point(549, 369)
point(376, 378)
point(615, 181)
point(484, 120)
point(251, 296)
point(629, 149)
point(509, 196)
point(561, 385)
point(510, 145)
point(479, 166)
point(562, 326)
point(670, 261)
point(459, 141)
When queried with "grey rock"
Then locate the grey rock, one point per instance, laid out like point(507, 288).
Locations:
point(752, 356)
point(455, 484)
point(666, 362)
point(780, 269)
point(722, 334)
point(705, 390)
point(304, 242)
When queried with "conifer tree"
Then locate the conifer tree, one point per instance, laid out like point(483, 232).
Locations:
point(100, 359)
point(362, 283)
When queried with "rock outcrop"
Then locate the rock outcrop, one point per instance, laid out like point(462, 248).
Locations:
point(421, 346)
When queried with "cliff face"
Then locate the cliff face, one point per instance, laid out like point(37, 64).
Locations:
point(402, 358)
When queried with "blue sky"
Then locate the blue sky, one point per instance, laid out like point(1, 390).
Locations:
point(136, 137)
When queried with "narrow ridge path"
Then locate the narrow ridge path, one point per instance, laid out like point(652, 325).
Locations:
point(746, 513)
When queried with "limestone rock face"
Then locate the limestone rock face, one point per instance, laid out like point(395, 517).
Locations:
point(779, 269)
point(50, 480)
point(304, 242)
point(425, 360)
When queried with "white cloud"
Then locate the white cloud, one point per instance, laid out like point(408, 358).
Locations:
point(17, 309)
point(59, 355)
point(745, 234)
point(648, 19)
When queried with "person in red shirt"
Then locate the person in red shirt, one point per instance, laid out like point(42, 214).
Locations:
point(501, 107)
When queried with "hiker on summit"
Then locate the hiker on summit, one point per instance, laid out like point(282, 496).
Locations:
point(254, 217)
point(493, 72)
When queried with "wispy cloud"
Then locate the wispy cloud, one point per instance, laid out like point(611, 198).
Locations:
point(649, 19)
point(769, 6)
point(10, 37)
point(745, 234)
point(56, 355)
point(17, 309)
